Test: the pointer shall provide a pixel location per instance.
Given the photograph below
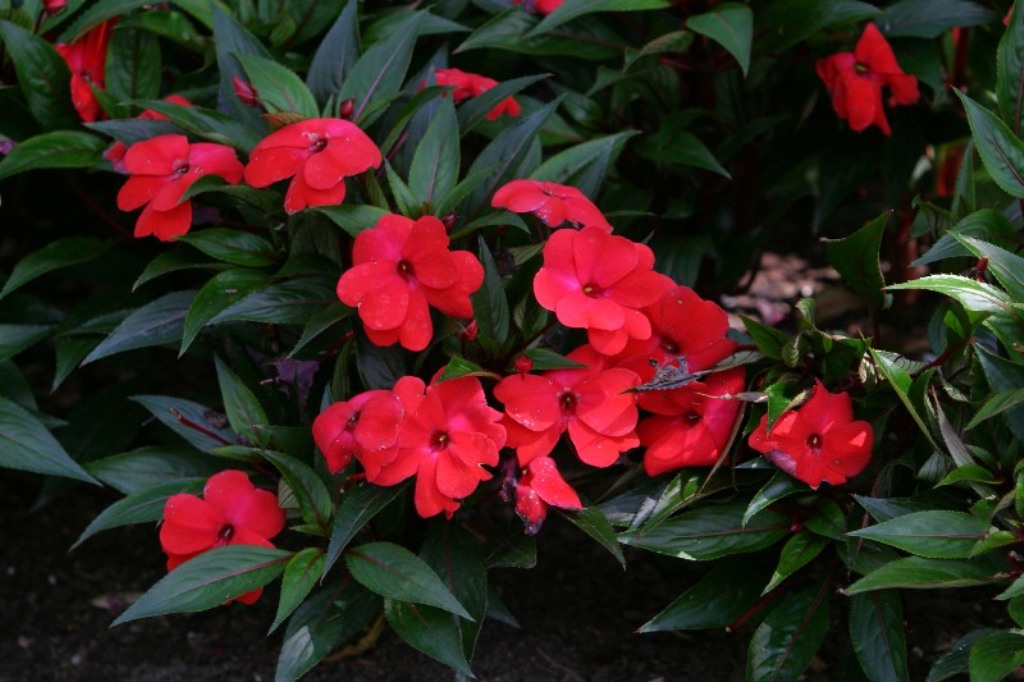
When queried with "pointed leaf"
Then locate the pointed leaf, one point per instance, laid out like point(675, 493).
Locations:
point(922, 573)
point(25, 444)
point(244, 411)
point(232, 246)
point(59, 149)
point(300, 577)
point(199, 425)
point(145, 506)
point(157, 323)
point(358, 506)
point(995, 656)
point(729, 24)
point(781, 485)
point(55, 255)
point(43, 76)
point(592, 522)
point(429, 630)
point(935, 534)
point(715, 601)
point(710, 533)
point(784, 644)
point(435, 165)
point(208, 580)
point(856, 258)
point(1001, 151)
point(379, 73)
point(878, 636)
point(336, 54)
point(571, 9)
point(396, 573)
point(313, 496)
point(931, 18)
point(279, 89)
point(798, 551)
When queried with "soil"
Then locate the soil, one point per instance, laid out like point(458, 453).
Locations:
point(577, 611)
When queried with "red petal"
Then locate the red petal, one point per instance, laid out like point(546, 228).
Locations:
point(267, 166)
point(161, 155)
point(165, 225)
point(550, 486)
point(300, 195)
point(139, 190)
point(824, 410)
point(429, 500)
point(190, 525)
point(207, 158)
point(417, 329)
point(244, 505)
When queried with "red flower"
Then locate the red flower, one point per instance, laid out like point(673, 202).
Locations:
point(365, 427)
point(855, 81)
point(154, 115)
point(115, 155)
point(541, 6)
point(161, 169)
point(54, 6)
point(447, 437)
point(590, 403)
point(400, 267)
point(318, 154)
point(541, 485)
point(232, 512)
point(551, 202)
point(695, 433)
point(87, 60)
point(599, 282)
point(817, 442)
point(473, 85)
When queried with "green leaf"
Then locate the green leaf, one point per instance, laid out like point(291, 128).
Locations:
point(511, 31)
point(785, 23)
point(321, 322)
point(145, 506)
point(314, 498)
point(323, 622)
point(931, 18)
point(1010, 73)
point(995, 656)
point(335, 55)
point(731, 25)
point(14, 338)
point(429, 630)
point(197, 424)
point(59, 149)
point(954, 662)
point(173, 261)
point(675, 146)
point(997, 404)
point(54, 256)
point(768, 340)
point(230, 39)
point(504, 155)
point(232, 246)
point(878, 636)
point(783, 645)
point(435, 165)
point(218, 294)
point(209, 580)
point(157, 323)
point(781, 485)
point(379, 73)
point(1004, 375)
point(279, 89)
point(715, 601)
point(300, 577)
point(856, 259)
point(572, 9)
point(25, 444)
point(353, 219)
point(935, 534)
point(592, 522)
point(358, 506)
point(133, 65)
point(710, 533)
point(971, 294)
point(1005, 266)
point(544, 359)
point(473, 111)
point(396, 573)
point(490, 306)
point(148, 467)
point(43, 76)
point(293, 301)
point(456, 555)
point(584, 165)
point(922, 573)
point(207, 123)
point(987, 224)
point(244, 411)
point(798, 551)
point(1001, 151)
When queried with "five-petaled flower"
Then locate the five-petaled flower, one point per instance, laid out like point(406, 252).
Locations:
point(540, 486)
point(599, 282)
point(365, 427)
point(855, 81)
point(467, 85)
point(820, 441)
point(551, 202)
point(317, 154)
point(232, 511)
point(449, 434)
point(400, 268)
point(87, 60)
point(162, 169)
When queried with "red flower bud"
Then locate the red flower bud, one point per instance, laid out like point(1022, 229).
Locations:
point(346, 109)
point(470, 332)
point(54, 6)
point(449, 221)
point(245, 92)
point(523, 364)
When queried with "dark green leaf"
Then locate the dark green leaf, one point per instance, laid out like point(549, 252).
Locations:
point(358, 506)
point(55, 255)
point(157, 323)
point(787, 22)
point(856, 259)
point(353, 219)
point(731, 25)
point(544, 359)
point(290, 302)
point(710, 533)
point(133, 65)
point(1004, 375)
point(199, 425)
point(321, 322)
point(25, 444)
point(1001, 151)
point(931, 18)
point(475, 110)
point(148, 467)
point(43, 76)
point(60, 149)
point(207, 123)
point(987, 224)
point(379, 73)
point(719, 598)
point(145, 506)
point(396, 573)
point(244, 412)
point(429, 630)
point(592, 522)
point(209, 580)
point(336, 54)
point(997, 404)
point(230, 39)
point(798, 551)
point(490, 306)
point(675, 146)
point(435, 165)
point(1010, 73)
point(995, 656)
point(878, 636)
point(784, 644)
point(456, 556)
point(584, 165)
point(173, 261)
point(571, 9)
point(312, 494)
point(1005, 266)
point(781, 485)
point(936, 534)
point(15, 338)
point(922, 573)
point(232, 246)
point(954, 662)
point(279, 89)
point(300, 577)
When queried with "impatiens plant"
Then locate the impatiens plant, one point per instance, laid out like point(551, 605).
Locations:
point(397, 309)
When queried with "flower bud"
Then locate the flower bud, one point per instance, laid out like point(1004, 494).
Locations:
point(346, 109)
point(245, 92)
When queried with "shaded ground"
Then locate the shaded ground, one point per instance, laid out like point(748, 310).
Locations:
point(577, 610)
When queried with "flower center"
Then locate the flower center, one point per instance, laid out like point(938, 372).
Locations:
point(592, 290)
point(568, 402)
point(814, 441)
point(181, 170)
point(439, 440)
point(319, 144)
point(352, 421)
point(860, 68)
point(691, 418)
point(405, 268)
point(669, 346)
point(227, 532)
